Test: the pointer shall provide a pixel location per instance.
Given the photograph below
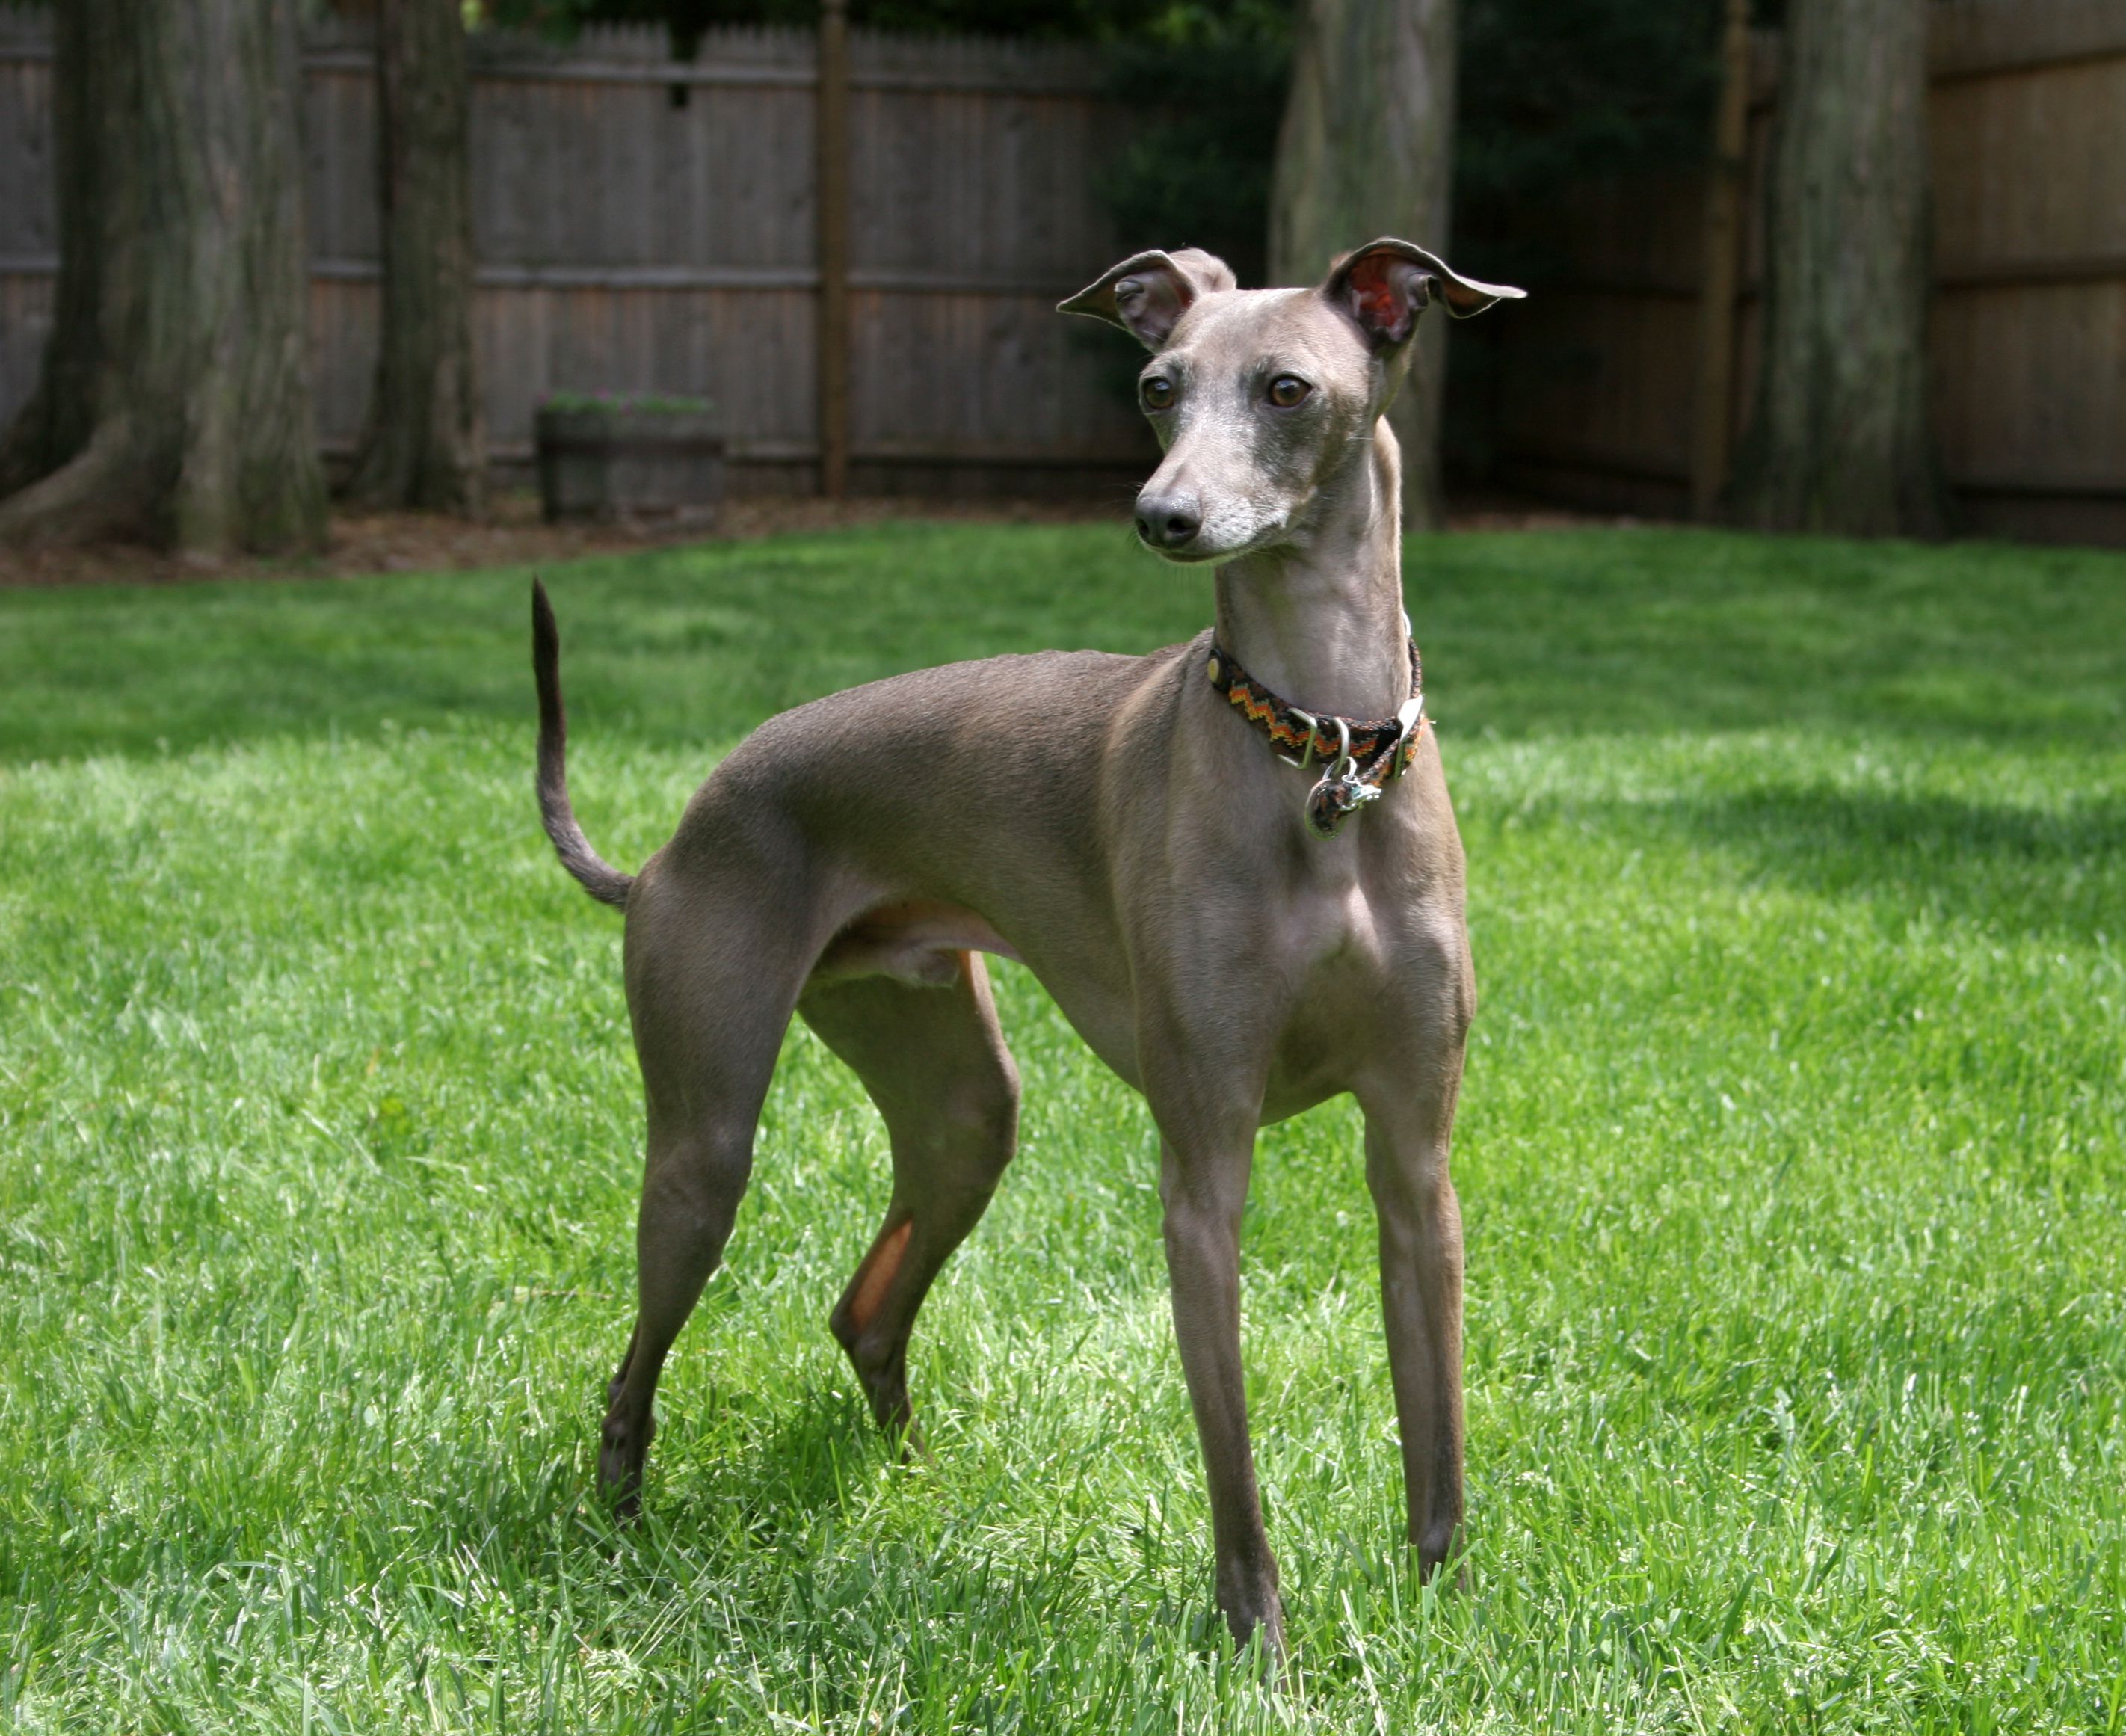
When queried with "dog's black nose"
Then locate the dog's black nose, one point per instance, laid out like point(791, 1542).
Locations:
point(1167, 523)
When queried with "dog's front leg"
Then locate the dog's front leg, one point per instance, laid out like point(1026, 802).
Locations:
point(1420, 1232)
point(1203, 1184)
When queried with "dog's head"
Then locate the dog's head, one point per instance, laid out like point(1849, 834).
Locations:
point(1259, 396)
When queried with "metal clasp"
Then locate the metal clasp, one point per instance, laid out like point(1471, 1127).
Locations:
point(1341, 792)
point(1407, 720)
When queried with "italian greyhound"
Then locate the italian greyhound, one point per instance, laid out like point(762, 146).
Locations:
point(1237, 939)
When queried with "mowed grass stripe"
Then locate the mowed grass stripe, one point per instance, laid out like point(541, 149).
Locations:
point(1792, 1156)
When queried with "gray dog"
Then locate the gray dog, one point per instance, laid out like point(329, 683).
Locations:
point(1237, 939)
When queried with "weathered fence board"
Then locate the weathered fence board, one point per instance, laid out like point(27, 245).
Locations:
point(643, 225)
point(2028, 117)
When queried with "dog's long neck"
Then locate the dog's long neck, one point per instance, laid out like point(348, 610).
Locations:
point(1319, 618)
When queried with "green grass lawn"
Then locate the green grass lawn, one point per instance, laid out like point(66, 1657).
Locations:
point(1792, 1155)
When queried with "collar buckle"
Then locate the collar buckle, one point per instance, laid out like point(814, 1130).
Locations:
point(1408, 721)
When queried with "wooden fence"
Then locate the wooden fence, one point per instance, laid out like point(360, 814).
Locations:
point(644, 225)
point(2028, 115)
point(647, 225)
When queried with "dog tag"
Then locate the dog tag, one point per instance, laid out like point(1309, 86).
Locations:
point(1335, 799)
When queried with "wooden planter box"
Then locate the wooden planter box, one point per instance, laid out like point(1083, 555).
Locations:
point(622, 461)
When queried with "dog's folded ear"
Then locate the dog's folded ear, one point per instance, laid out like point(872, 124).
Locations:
point(1385, 284)
point(1147, 294)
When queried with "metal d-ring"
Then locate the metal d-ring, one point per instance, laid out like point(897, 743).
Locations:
point(1341, 770)
point(1313, 730)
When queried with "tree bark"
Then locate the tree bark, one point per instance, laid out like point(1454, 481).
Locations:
point(1366, 150)
point(1840, 442)
point(1726, 182)
point(423, 445)
point(174, 402)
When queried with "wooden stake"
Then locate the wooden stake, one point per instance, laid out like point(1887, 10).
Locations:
point(1713, 412)
point(834, 200)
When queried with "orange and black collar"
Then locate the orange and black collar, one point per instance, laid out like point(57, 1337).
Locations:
point(1359, 755)
point(1312, 737)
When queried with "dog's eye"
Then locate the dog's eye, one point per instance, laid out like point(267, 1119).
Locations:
point(1288, 390)
point(1158, 393)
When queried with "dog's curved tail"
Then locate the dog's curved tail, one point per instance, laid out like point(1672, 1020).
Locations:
point(599, 877)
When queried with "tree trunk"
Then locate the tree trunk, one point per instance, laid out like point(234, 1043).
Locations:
point(1840, 442)
point(423, 445)
point(1366, 150)
point(173, 401)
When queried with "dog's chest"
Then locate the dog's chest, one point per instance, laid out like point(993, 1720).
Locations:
point(1330, 932)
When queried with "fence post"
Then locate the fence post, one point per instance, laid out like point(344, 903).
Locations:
point(1713, 411)
point(833, 193)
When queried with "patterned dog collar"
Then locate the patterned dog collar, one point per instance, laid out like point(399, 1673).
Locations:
point(1363, 754)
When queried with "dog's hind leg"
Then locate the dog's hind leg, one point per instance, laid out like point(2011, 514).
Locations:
point(934, 1062)
point(712, 980)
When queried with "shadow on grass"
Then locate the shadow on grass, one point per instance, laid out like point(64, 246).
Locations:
point(739, 1465)
point(736, 1477)
point(2017, 869)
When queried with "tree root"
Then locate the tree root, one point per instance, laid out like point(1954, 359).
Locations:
point(102, 494)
